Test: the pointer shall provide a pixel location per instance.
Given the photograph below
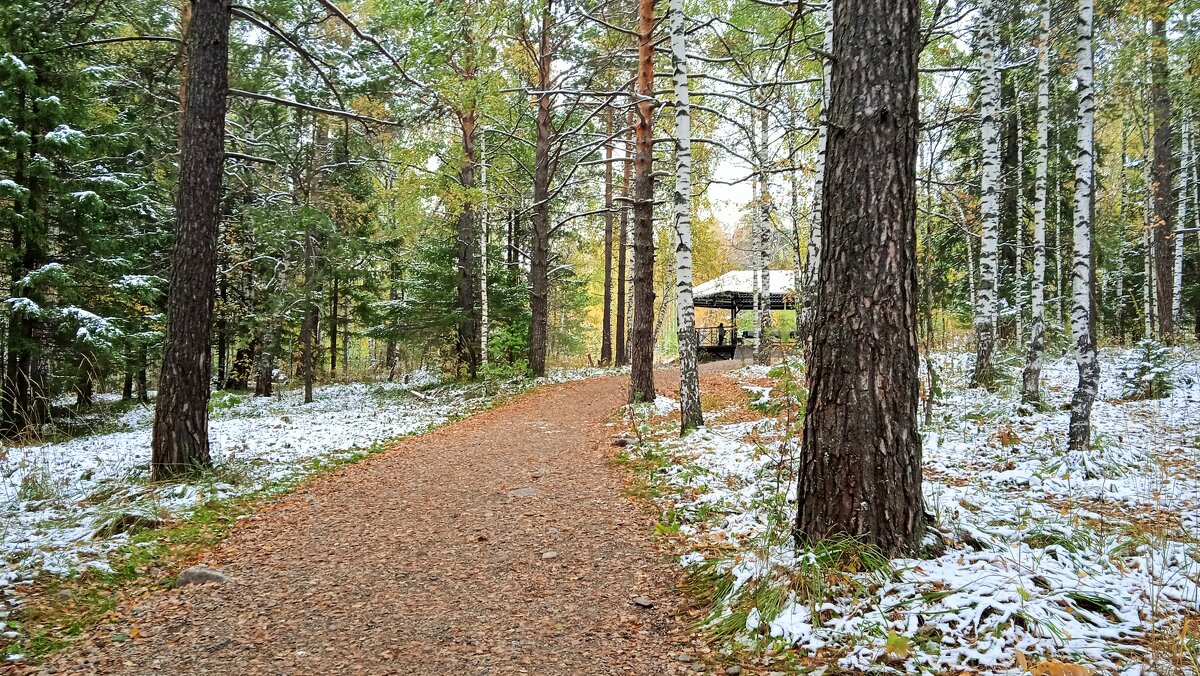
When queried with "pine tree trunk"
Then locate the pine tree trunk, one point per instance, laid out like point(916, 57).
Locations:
point(691, 416)
point(539, 266)
point(985, 306)
point(308, 325)
point(860, 462)
point(622, 339)
point(606, 346)
point(1031, 377)
point(1082, 325)
point(641, 340)
point(1160, 177)
point(180, 438)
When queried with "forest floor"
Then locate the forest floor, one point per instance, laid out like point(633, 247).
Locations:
point(502, 543)
point(1036, 560)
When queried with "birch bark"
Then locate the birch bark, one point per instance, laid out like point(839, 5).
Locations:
point(1082, 325)
point(689, 374)
point(1031, 377)
point(985, 308)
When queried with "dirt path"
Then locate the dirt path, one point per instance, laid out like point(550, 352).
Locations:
point(501, 544)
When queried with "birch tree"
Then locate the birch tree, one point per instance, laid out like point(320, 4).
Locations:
point(689, 374)
point(1082, 324)
point(985, 308)
point(1181, 222)
point(1030, 380)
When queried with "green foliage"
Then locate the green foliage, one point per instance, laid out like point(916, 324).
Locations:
point(1147, 375)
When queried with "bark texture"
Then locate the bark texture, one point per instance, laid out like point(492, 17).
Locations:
point(641, 339)
point(860, 470)
point(1160, 178)
point(1031, 377)
point(180, 438)
point(1082, 325)
point(985, 299)
point(690, 413)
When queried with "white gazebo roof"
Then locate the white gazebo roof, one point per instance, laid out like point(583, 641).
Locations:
point(735, 290)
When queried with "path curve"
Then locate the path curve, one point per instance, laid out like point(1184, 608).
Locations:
point(500, 544)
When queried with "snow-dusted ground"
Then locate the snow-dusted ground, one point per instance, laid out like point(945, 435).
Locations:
point(1089, 560)
point(55, 497)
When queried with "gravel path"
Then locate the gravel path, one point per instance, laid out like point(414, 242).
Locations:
point(501, 544)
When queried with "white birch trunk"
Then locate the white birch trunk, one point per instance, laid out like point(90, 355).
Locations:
point(691, 416)
point(1079, 434)
point(1147, 229)
point(1019, 243)
point(483, 256)
point(1177, 289)
point(814, 236)
point(985, 309)
point(1031, 378)
point(763, 355)
point(756, 266)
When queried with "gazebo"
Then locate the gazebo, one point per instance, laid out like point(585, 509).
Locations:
point(734, 291)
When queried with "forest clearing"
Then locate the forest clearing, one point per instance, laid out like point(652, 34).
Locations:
point(600, 336)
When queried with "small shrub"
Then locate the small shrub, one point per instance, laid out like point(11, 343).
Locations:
point(1147, 374)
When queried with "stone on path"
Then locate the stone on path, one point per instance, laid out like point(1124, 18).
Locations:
point(200, 575)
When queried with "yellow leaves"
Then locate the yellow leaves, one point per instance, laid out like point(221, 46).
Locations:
point(897, 646)
point(1051, 667)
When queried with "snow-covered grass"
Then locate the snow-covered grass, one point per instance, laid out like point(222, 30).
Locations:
point(1036, 559)
point(65, 506)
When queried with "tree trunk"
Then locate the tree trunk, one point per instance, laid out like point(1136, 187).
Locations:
point(1185, 174)
point(1160, 177)
point(814, 237)
point(180, 438)
point(467, 338)
point(333, 329)
point(606, 346)
point(860, 462)
point(763, 247)
point(539, 265)
point(1082, 326)
point(985, 306)
point(641, 340)
point(484, 319)
point(691, 416)
point(622, 339)
point(308, 325)
point(1031, 377)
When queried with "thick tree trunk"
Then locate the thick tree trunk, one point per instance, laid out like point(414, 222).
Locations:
point(539, 265)
point(1082, 325)
point(309, 324)
point(985, 306)
point(180, 438)
point(641, 340)
point(606, 346)
point(1031, 377)
point(691, 416)
point(1160, 177)
point(860, 462)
